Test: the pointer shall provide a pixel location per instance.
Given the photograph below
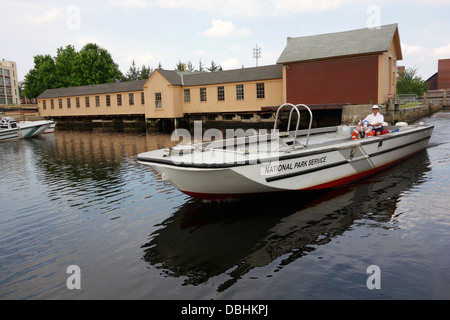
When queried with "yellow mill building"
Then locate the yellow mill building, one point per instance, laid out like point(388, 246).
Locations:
point(171, 95)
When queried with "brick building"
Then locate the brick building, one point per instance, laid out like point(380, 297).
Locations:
point(441, 79)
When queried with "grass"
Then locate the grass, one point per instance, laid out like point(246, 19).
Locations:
point(409, 105)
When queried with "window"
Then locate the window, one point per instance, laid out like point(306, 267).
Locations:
point(97, 101)
point(77, 100)
point(108, 101)
point(60, 103)
point(1, 71)
point(131, 99)
point(240, 92)
point(6, 73)
point(2, 89)
point(8, 82)
point(203, 94)
point(119, 99)
point(142, 98)
point(260, 92)
point(68, 103)
point(88, 103)
point(221, 93)
point(158, 100)
point(44, 104)
point(52, 104)
point(187, 95)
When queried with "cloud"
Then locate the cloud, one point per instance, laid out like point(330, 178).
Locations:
point(220, 28)
point(204, 5)
point(140, 59)
point(307, 6)
point(48, 16)
point(442, 52)
point(230, 64)
point(128, 3)
point(413, 50)
point(245, 32)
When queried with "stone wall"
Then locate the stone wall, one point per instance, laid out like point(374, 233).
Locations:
point(352, 114)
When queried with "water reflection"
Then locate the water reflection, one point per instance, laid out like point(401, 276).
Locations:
point(205, 240)
point(85, 169)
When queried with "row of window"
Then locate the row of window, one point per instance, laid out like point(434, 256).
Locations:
point(8, 91)
point(4, 72)
point(87, 101)
point(8, 100)
point(6, 81)
point(260, 93)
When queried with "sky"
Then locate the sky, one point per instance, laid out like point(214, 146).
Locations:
point(153, 32)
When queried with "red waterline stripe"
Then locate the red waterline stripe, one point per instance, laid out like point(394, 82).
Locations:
point(328, 185)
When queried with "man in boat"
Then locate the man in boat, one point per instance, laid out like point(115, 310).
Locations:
point(375, 120)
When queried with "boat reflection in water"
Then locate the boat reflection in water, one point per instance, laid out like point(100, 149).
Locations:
point(227, 240)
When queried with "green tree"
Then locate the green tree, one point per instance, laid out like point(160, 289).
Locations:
point(179, 66)
point(41, 77)
point(145, 72)
point(133, 73)
point(214, 67)
point(65, 68)
point(190, 67)
point(91, 65)
point(201, 68)
point(95, 66)
point(410, 83)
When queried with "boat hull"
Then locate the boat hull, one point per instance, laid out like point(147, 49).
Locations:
point(312, 168)
point(8, 134)
point(31, 129)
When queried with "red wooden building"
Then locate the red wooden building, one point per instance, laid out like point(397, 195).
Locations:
point(352, 67)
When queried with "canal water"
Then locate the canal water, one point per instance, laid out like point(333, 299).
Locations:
point(79, 198)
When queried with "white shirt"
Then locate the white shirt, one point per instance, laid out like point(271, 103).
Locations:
point(372, 118)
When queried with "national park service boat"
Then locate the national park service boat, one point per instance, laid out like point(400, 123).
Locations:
point(309, 159)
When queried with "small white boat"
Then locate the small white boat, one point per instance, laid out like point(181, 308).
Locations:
point(10, 129)
point(309, 159)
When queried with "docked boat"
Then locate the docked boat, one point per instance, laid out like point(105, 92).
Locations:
point(315, 158)
point(10, 129)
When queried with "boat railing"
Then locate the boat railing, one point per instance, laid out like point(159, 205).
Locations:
point(296, 108)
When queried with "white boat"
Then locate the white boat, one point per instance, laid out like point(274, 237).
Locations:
point(10, 129)
point(309, 159)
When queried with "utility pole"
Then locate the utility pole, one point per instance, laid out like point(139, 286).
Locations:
point(256, 53)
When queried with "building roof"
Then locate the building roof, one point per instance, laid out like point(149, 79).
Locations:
point(175, 78)
point(114, 87)
point(339, 44)
point(227, 76)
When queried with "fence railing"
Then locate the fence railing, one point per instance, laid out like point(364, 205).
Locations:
point(406, 98)
point(437, 97)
